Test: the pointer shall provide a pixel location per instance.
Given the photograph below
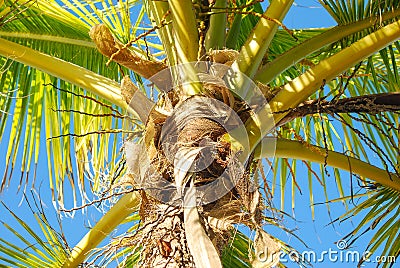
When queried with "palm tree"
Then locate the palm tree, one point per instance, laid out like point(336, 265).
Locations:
point(205, 93)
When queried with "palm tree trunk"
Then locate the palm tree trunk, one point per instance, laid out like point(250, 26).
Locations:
point(163, 237)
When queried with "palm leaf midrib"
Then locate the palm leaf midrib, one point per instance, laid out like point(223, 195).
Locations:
point(47, 38)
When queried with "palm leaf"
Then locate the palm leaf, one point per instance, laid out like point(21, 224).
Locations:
point(346, 11)
point(319, 129)
point(62, 34)
point(248, 22)
point(236, 254)
point(364, 134)
point(382, 218)
point(45, 249)
point(32, 102)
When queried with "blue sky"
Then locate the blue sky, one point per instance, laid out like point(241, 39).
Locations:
point(315, 233)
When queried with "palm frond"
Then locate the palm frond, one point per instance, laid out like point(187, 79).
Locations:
point(350, 11)
point(370, 136)
point(79, 125)
point(382, 218)
point(377, 74)
point(31, 99)
point(45, 249)
point(236, 253)
point(247, 23)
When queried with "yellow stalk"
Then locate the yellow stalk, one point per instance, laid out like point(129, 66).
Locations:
point(249, 60)
point(157, 10)
point(298, 90)
point(185, 30)
point(307, 152)
point(216, 34)
point(79, 76)
point(122, 209)
point(186, 39)
point(51, 38)
point(270, 70)
point(246, 65)
point(257, 43)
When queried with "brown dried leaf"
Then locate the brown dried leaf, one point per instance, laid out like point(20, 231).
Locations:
point(128, 88)
point(226, 56)
point(108, 46)
point(133, 152)
point(267, 250)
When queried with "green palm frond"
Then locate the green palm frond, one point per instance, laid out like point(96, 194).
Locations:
point(364, 134)
point(346, 11)
point(45, 249)
point(43, 100)
point(236, 254)
point(382, 218)
point(324, 129)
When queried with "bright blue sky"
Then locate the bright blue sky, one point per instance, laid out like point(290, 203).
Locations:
point(315, 233)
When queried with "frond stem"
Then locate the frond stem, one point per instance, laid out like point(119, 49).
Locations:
point(97, 84)
point(270, 70)
point(156, 11)
point(258, 42)
point(300, 88)
point(216, 34)
point(304, 151)
point(185, 30)
point(122, 209)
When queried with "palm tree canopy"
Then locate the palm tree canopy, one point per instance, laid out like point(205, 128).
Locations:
point(332, 97)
